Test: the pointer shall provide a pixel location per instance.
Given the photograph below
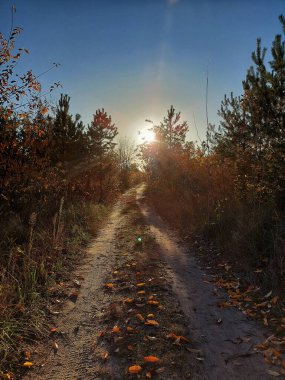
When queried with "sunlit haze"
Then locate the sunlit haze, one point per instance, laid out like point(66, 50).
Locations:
point(137, 57)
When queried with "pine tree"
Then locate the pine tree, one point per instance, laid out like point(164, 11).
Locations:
point(101, 134)
point(68, 138)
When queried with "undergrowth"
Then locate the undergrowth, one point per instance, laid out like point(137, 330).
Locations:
point(37, 252)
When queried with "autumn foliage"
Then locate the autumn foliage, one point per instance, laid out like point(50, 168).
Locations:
point(57, 178)
point(231, 188)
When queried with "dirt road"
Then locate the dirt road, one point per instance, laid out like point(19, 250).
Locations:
point(223, 338)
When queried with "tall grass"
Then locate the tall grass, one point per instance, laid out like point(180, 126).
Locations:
point(35, 253)
point(205, 196)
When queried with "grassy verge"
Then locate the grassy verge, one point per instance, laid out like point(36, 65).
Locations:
point(38, 257)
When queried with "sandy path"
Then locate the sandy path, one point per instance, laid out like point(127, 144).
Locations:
point(80, 321)
point(199, 303)
point(74, 358)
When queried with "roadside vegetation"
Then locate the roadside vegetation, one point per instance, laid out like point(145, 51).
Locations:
point(230, 189)
point(58, 179)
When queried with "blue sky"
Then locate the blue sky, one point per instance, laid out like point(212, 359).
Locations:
point(137, 57)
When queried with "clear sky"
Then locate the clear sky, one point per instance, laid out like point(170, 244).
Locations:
point(137, 57)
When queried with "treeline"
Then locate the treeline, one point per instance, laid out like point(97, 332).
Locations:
point(231, 188)
point(57, 180)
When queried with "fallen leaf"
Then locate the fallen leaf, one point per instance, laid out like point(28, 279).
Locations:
point(151, 338)
point(151, 322)
point(116, 329)
point(268, 294)
point(152, 302)
point(141, 284)
point(274, 300)
point(135, 369)
point(55, 347)
point(223, 304)
point(109, 285)
point(129, 300)
point(148, 375)
point(140, 317)
point(27, 364)
point(151, 359)
point(105, 356)
point(150, 315)
point(141, 292)
point(27, 355)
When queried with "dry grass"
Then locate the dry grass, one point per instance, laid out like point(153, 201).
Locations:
point(35, 256)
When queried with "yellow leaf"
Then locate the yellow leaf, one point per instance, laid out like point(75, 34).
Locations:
point(151, 359)
point(150, 315)
point(141, 284)
point(27, 364)
point(135, 369)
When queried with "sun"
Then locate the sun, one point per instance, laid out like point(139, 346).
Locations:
point(147, 136)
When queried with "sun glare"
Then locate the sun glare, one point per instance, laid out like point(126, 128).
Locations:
point(147, 136)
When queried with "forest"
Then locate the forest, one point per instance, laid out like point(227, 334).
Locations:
point(60, 179)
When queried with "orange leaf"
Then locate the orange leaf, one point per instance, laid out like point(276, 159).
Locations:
point(109, 285)
point(27, 355)
point(151, 322)
point(116, 329)
point(27, 364)
point(44, 110)
point(105, 356)
point(151, 359)
point(129, 300)
point(152, 302)
point(135, 369)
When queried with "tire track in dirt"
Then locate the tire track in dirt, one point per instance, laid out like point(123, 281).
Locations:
point(217, 330)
